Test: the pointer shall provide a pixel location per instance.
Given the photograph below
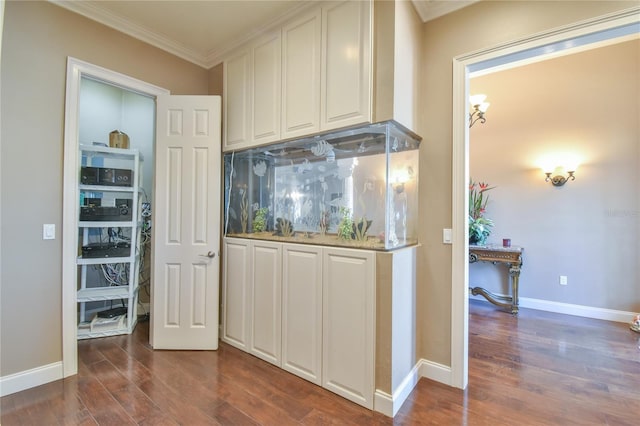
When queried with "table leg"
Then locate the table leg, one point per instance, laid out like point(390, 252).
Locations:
point(514, 275)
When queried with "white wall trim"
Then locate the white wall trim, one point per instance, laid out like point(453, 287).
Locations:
point(432, 9)
point(205, 60)
point(390, 404)
point(577, 310)
point(76, 69)
point(30, 378)
point(571, 309)
point(123, 25)
point(437, 372)
point(383, 403)
point(535, 45)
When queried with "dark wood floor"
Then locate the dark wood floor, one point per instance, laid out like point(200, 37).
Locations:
point(534, 369)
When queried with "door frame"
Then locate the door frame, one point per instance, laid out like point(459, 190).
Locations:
point(76, 69)
point(579, 36)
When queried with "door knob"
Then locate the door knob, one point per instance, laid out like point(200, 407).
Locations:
point(210, 255)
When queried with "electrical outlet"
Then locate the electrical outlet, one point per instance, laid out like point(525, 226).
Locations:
point(563, 280)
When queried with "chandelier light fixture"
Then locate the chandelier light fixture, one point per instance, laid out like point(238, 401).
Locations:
point(479, 107)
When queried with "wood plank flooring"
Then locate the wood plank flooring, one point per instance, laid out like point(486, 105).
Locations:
point(534, 369)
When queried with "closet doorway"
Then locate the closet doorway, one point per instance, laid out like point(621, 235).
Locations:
point(99, 101)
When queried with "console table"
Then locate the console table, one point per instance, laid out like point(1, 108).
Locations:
point(509, 256)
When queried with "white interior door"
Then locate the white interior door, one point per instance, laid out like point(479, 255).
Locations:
point(185, 282)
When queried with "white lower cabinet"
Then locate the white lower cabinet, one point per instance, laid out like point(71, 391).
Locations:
point(235, 292)
point(310, 311)
point(302, 311)
point(348, 319)
point(265, 305)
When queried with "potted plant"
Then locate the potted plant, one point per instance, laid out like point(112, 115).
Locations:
point(479, 226)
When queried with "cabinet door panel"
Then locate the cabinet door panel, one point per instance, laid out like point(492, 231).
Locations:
point(235, 292)
point(266, 90)
point(266, 301)
point(349, 324)
point(302, 311)
point(301, 76)
point(237, 98)
point(346, 73)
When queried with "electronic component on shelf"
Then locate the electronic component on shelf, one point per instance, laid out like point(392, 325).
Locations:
point(105, 176)
point(103, 214)
point(92, 202)
point(113, 312)
point(112, 249)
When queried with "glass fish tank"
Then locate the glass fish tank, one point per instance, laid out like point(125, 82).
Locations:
point(355, 187)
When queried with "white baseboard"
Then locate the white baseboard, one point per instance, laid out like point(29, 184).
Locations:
point(30, 378)
point(390, 404)
point(570, 309)
point(578, 310)
point(436, 372)
point(383, 403)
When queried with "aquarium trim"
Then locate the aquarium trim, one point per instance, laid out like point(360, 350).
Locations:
point(226, 209)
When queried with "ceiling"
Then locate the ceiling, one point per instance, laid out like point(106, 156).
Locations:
point(202, 31)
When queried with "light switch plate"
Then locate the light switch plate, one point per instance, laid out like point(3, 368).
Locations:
point(49, 231)
point(446, 236)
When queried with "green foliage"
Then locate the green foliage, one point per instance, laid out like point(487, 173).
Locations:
point(478, 199)
point(260, 221)
point(479, 230)
point(479, 226)
point(284, 227)
point(360, 229)
point(346, 224)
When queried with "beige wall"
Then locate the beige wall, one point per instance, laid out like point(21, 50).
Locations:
point(38, 37)
point(588, 229)
point(480, 26)
point(215, 80)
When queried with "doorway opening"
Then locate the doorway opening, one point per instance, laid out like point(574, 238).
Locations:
point(570, 39)
point(98, 101)
point(105, 110)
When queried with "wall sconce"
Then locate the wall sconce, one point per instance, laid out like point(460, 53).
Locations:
point(479, 108)
point(558, 178)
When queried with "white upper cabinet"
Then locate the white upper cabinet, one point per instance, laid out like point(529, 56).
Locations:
point(312, 74)
point(346, 64)
point(266, 93)
point(237, 99)
point(301, 76)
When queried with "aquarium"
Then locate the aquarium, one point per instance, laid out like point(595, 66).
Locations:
point(356, 187)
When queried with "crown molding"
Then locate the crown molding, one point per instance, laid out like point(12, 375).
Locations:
point(95, 13)
point(204, 59)
point(432, 9)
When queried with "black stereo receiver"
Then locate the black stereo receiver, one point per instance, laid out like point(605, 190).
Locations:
point(102, 214)
point(105, 176)
point(119, 249)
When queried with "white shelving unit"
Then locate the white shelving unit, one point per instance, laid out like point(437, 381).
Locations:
point(108, 192)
